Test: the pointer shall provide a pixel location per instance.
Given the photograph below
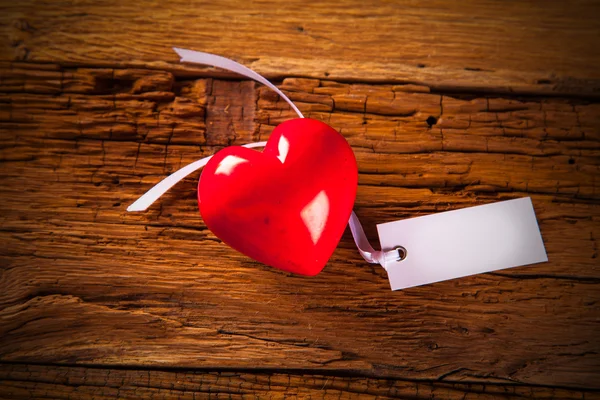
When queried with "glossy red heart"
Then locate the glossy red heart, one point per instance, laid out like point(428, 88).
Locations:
point(288, 205)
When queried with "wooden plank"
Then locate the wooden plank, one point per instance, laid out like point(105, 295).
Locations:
point(85, 282)
point(59, 382)
point(489, 46)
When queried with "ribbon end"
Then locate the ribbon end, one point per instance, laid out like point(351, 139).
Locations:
point(180, 52)
point(136, 207)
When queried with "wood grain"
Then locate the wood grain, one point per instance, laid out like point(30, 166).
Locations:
point(446, 105)
point(85, 282)
point(485, 46)
point(27, 381)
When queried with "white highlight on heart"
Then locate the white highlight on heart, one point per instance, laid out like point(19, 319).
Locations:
point(283, 146)
point(314, 215)
point(228, 164)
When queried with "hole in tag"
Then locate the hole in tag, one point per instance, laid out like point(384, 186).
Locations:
point(401, 253)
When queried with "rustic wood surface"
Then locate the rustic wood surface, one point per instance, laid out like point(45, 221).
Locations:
point(446, 106)
point(102, 383)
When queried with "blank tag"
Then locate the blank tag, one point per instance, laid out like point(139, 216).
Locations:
point(463, 242)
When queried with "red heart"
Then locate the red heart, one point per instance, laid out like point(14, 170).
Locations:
point(288, 205)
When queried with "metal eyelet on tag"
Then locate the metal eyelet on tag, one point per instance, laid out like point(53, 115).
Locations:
point(402, 253)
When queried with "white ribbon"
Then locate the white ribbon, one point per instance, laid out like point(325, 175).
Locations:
point(163, 186)
point(360, 239)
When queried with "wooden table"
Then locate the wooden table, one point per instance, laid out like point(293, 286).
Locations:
point(446, 105)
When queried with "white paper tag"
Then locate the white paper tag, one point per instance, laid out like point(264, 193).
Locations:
point(463, 242)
